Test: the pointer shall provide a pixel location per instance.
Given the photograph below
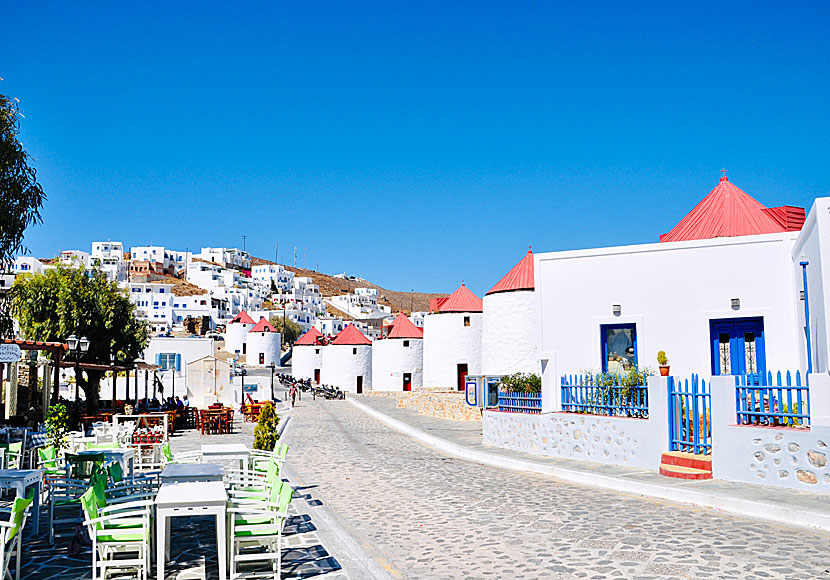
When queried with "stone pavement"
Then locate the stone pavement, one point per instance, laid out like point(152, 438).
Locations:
point(423, 514)
point(193, 546)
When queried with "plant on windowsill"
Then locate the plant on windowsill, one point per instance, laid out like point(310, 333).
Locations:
point(663, 361)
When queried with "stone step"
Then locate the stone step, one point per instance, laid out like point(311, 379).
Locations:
point(681, 472)
point(685, 459)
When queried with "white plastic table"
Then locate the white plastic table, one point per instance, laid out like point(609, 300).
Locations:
point(20, 480)
point(175, 472)
point(126, 457)
point(190, 498)
point(228, 451)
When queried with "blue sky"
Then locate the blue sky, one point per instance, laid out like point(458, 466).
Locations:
point(414, 144)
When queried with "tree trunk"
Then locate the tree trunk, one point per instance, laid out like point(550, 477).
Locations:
point(90, 384)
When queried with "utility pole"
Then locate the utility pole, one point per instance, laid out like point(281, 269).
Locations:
point(305, 259)
point(243, 242)
point(277, 253)
point(295, 256)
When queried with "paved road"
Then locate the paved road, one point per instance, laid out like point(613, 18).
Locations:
point(424, 515)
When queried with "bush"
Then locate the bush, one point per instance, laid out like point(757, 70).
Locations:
point(521, 383)
point(265, 432)
point(56, 428)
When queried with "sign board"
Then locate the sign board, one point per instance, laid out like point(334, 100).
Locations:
point(9, 353)
point(250, 388)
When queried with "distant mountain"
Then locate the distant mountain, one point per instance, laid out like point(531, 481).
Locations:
point(331, 286)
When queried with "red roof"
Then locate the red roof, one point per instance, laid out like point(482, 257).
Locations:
point(519, 278)
point(729, 211)
point(263, 326)
point(243, 318)
point(462, 300)
point(402, 327)
point(310, 338)
point(351, 335)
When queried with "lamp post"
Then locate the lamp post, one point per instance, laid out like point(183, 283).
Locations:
point(273, 367)
point(78, 348)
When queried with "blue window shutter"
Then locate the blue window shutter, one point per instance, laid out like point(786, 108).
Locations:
point(178, 362)
point(158, 359)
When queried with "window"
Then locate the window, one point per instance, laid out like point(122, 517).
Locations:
point(466, 321)
point(354, 350)
point(161, 290)
point(406, 343)
point(619, 347)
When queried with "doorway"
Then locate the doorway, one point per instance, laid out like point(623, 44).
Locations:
point(360, 384)
point(407, 381)
point(262, 358)
point(738, 346)
point(462, 376)
point(317, 376)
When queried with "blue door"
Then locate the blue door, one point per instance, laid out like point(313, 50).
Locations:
point(619, 347)
point(738, 346)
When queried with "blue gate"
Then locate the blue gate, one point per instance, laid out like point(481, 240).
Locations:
point(690, 423)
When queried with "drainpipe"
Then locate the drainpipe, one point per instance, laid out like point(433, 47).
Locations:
point(804, 264)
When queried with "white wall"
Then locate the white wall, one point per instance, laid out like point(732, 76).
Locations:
point(235, 336)
point(447, 343)
point(267, 343)
point(341, 367)
point(306, 358)
point(190, 349)
point(670, 291)
point(508, 335)
point(391, 359)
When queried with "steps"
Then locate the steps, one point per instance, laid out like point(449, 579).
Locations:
point(686, 465)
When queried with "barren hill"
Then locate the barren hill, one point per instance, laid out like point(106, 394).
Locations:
point(331, 286)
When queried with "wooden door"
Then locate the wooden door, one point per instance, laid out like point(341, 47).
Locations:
point(360, 385)
point(462, 376)
point(407, 381)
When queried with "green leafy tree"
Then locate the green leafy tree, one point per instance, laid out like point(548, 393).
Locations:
point(56, 426)
point(291, 331)
point(21, 197)
point(65, 301)
point(265, 432)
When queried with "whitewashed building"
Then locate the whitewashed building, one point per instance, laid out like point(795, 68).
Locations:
point(109, 257)
point(28, 265)
point(452, 340)
point(398, 358)
point(266, 273)
point(227, 257)
point(307, 356)
point(329, 325)
point(154, 302)
point(236, 333)
point(508, 333)
point(263, 344)
point(347, 361)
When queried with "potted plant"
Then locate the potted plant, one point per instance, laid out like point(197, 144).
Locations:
point(663, 361)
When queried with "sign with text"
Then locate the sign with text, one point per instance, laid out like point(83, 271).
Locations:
point(9, 353)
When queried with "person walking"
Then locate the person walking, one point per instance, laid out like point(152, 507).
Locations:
point(292, 392)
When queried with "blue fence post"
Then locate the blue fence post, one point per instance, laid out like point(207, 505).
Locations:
point(670, 386)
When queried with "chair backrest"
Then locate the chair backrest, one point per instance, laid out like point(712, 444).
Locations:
point(107, 445)
point(116, 472)
point(48, 455)
point(83, 466)
point(99, 488)
point(273, 471)
point(13, 455)
point(286, 492)
point(89, 504)
point(165, 449)
point(18, 515)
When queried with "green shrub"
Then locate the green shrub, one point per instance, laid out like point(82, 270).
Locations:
point(521, 383)
point(56, 428)
point(265, 432)
point(662, 359)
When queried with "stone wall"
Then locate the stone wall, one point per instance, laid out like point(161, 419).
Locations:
point(435, 403)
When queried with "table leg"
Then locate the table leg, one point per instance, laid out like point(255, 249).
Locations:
point(161, 540)
point(36, 503)
point(167, 527)
point(221, 542)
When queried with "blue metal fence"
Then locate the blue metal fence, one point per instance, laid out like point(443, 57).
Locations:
point(772, 400)
point(520, 402)
point(690, 422)
point(604, 394)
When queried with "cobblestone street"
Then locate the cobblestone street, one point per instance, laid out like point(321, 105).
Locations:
point(424, 515)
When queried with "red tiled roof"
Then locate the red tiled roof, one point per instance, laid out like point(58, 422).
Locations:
point(519, 278)
point(729, 211)
point(462, 300)
point(351, 335)
point(263, 326)
point(243, 318)
point(310, 338)
point(402, 327)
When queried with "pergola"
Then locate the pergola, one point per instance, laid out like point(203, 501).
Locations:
point(56, 348)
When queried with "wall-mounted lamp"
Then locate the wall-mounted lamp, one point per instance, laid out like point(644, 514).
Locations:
point(801, 294)
point(616, 309)
point(736, 304)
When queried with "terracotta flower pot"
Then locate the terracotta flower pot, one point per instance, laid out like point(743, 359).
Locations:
point(664, 370)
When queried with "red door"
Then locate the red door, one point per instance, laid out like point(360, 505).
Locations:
point(407, 381)
point(317, 376)
point(462, 376)
point(262, 358)
point(359, 385)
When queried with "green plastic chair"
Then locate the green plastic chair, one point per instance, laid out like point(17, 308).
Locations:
point(120, 536)
point(111, 445)
point(260, 527)
point(48, 461)
point(11, 536)
point(14, 452)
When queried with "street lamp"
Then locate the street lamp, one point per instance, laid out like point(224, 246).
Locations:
point(78, 348)
point(273, 367)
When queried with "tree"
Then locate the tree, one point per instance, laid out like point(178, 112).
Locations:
point(291, 332)
point(21, 197)
point(273, 285)
point(65, 301)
